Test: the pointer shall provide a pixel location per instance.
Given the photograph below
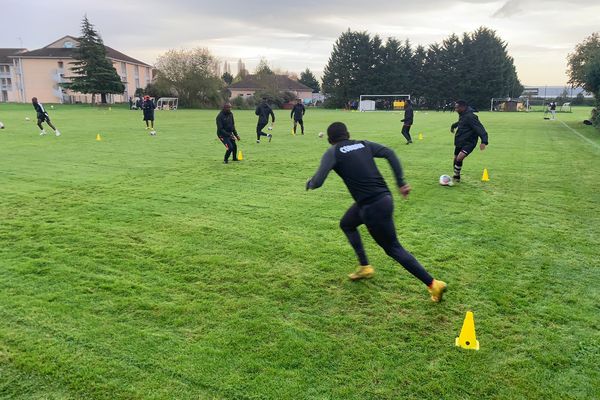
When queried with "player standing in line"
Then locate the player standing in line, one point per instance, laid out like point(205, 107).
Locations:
point(42, 116)
point(263, 110)
point(148, 107)
point(408, 121)
point(298, 113)
point(468, 131)
point(354, 162)
point(227, 133)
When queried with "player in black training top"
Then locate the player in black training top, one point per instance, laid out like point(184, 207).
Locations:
point(42, 116)
point(468, 131)
point(227, 133)
point(263, 110)
point(354, 162)
point(408, 121)
point(148, 107)
point(298, 113)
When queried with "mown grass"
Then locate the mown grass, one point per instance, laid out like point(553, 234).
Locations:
point(140, 267)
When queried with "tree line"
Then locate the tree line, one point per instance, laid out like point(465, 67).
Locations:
point(474, 67)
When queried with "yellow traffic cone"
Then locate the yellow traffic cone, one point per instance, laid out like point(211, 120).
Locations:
point(467, 339)
point(420, 136)
point(240, 155)
point(98, 137)
point(293, 134)
point(485, 177)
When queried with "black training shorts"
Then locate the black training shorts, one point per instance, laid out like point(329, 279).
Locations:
point(467, 149)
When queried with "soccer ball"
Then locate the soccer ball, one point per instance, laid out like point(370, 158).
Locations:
point(1, 125)
point(445, 180)
point(321, 134)
point(270, 128)
point(153, 133)
point(27, 118)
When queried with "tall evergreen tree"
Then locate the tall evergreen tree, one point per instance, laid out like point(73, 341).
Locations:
point(94, 72)
point(308, 78)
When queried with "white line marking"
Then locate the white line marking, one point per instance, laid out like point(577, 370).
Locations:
point(580, 135)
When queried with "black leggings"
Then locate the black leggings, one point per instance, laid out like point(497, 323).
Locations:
point(259, 127)
point(231, 147)
point(301, 122)
point(406, 133)
point(379, 219)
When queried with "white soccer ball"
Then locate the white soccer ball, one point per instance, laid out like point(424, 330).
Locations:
point(445, 180)
point(270, 128)
point(1, 125)
point(321, 134)
point(27, 118)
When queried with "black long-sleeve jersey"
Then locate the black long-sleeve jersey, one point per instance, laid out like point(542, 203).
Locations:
point(469, 129)
point(263, 110)
point(226, 125)
point(354, 162)
point(298, 112)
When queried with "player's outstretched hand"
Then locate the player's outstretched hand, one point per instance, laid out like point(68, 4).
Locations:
point(405, 190)
point(482, 146)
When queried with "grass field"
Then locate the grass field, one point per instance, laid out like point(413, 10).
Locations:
point(141, 267)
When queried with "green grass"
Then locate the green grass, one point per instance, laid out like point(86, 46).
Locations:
point(140, 267)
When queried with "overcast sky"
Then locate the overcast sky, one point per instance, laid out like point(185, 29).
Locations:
point(294, 35)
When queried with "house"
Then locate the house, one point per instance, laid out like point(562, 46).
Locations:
point(250, 85)
point(7, 75)
point(39, 73)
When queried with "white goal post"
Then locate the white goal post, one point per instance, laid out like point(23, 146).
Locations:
point(167, 103)
point(382, 102)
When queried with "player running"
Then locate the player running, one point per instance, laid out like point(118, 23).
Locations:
point(298, 113)
point(227, 133)
point(263, 110)
point(354, 162)
point(42, 116)
point(468, 131)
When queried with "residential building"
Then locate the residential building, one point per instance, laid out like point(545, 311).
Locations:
point(40, 73)
point(250, 85)
point(7, 75)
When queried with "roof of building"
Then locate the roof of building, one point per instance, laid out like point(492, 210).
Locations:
point(283, 82)
point(5, 53)
point(63, 52)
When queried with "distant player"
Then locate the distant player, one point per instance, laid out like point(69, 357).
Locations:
point(263, 110)
point(298, 114)
point(148, 107)
point(354, 162)
point(42, 116)
point(408, 121)
point(553, 110)
point(227, 133)
point(468, 131)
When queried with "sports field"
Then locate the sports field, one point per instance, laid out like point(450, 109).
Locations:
point(141, 267)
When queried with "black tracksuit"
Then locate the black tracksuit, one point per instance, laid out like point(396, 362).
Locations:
point(297, 113)
point(227, 134)
point(148, 107)
point(263, 111)
point(354, 162)
point(468, 131)
point(408, 121)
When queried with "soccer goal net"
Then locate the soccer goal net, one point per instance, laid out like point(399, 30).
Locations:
point(382, 102)
point(508, 105)
point(167, 103)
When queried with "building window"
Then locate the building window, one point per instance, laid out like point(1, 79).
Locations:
point(137, 71)
point(137, 83)
point(124, 69)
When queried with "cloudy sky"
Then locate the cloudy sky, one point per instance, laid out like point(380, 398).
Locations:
point(294, 35)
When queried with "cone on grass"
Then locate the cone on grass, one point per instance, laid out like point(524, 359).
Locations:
point(420, 136)
point(485, 177)
point(240, 155)
point(467, 339)
point(98, 137)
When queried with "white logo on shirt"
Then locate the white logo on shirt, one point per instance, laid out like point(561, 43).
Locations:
point(351, 147)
